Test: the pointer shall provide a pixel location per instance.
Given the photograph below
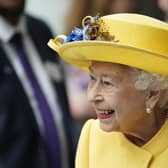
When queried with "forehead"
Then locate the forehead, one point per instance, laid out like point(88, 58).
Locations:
point(109, 68)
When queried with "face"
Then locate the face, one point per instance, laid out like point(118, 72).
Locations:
point(11, 7)
point(118, 104)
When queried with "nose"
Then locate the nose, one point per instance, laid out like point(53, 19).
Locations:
point(94, 93)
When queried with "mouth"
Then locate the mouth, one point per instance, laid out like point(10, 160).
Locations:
point(105, 114)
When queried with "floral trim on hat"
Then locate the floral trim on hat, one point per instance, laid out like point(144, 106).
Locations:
point(90, 31)
point(75, 35)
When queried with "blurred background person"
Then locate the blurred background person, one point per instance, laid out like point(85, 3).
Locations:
point(81, 8)
point(163, 5)
point(34, 114)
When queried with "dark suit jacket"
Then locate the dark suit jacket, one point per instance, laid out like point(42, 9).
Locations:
point(21, 145)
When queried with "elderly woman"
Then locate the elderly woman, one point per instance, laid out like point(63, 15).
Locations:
point(127, 58)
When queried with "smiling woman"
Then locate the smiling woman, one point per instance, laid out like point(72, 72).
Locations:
point(128, 89)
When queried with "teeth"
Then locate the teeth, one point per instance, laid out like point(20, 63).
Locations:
point(108, 112)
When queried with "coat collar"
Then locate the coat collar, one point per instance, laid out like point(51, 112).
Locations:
point(159, 142)
point(123, 152)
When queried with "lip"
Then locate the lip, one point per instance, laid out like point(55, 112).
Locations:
point(101, 115)
point(104, 116)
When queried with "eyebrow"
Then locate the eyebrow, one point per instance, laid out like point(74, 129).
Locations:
point(111, 75)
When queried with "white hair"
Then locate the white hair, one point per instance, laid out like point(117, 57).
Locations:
point(152, 82)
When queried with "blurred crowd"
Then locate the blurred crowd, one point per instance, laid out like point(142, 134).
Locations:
point(22, 135)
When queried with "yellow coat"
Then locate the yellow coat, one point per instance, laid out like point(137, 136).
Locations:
point(99, 149)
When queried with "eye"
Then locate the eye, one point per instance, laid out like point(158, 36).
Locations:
point(92, 77)
point(92, 81)
point(107, 84)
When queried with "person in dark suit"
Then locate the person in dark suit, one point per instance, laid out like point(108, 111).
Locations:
point(23, 141)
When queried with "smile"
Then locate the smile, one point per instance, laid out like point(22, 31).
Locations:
point(105, 114)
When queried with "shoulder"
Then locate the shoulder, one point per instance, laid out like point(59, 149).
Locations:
point(35, 23)
point(36, 20)
point(86, 134)
point(88, 127)
point(82, 154)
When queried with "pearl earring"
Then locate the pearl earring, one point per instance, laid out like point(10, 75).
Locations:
point(148, 110)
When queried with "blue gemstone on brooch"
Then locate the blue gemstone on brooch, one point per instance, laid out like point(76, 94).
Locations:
point(75, 35)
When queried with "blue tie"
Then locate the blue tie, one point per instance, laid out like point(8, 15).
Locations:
point(51, 134)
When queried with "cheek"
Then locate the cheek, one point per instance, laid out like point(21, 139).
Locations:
point(88, 92)
point(124, 99)
point(131, 96)
point(131, 107)
point(113, 99)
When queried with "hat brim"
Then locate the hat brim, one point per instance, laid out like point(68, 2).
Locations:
point(82, 53)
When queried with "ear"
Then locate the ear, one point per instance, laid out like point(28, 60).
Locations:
point(152, 99)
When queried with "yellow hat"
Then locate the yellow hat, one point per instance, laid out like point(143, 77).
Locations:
point(130, 39)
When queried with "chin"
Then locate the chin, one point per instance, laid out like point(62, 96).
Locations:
point(108, 127)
